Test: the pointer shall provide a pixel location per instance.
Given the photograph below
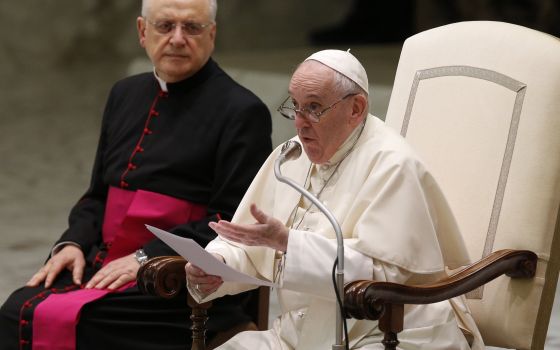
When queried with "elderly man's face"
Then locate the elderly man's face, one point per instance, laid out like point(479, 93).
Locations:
point(175, 55)
point(312, 86)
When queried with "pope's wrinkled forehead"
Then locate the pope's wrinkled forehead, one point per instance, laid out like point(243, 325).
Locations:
point(313, 79)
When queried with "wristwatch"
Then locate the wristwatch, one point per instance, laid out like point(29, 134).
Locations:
point(140, 256)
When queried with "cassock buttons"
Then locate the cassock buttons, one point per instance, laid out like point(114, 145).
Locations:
point(124, 184)
point(131, 166)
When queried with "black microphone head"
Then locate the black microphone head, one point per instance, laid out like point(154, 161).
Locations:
point(291, 150)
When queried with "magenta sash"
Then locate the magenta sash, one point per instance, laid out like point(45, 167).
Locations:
point(126, 213)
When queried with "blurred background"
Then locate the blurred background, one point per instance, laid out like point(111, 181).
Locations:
point(59, 58)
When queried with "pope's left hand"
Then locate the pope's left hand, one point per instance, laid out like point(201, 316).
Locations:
point(115, 274)
point(267, 231)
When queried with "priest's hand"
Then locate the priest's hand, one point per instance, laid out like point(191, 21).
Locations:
point(115, 274)
point(202, 283)
point(69, 257)
point(267, 231)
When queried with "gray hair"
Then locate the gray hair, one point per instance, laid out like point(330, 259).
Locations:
point(212, 7)
point(346, 85)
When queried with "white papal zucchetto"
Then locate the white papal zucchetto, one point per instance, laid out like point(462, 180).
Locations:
point(345, 63)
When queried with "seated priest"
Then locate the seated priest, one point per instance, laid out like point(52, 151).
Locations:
point(179, 147)
point(396, 223)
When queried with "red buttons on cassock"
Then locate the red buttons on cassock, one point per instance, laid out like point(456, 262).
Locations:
point(124, 184)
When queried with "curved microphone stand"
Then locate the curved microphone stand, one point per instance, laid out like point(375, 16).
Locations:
point(292, 150)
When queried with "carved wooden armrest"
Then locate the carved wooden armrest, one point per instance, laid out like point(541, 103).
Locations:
point(384, 301)
point(162, 276)
point(165, 276)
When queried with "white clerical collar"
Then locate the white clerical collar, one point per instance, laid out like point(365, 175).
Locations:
point(162, 83)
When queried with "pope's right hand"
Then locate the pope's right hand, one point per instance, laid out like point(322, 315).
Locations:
point(202, 282)
point(70, 257)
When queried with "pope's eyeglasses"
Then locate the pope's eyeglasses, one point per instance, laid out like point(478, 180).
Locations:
point(311, 113)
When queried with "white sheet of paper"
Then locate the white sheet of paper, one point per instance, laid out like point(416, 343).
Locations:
point(194, 253)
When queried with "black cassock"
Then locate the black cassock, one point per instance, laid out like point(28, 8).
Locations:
point(202, 141)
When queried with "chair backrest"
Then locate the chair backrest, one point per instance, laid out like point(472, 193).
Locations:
point(480, 102)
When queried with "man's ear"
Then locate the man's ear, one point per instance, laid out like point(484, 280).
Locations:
point(141, 28)
point(359, 105)
point(213, 32)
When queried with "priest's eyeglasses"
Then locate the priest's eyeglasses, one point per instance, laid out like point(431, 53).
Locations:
point(187, 28)
point(312, 113)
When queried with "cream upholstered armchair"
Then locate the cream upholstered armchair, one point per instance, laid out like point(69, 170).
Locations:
point(480, 102)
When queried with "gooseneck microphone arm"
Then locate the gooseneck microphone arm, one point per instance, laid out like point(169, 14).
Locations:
point(292, 150)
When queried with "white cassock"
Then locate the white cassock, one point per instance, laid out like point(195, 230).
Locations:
point(396, 225)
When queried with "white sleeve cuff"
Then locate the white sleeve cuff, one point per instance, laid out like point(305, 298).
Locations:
point(309, 261)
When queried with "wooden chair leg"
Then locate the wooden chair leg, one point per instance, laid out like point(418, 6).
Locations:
point(199, 316)
point(391, 323)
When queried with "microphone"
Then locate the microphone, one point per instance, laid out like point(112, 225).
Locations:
point(292, 150)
